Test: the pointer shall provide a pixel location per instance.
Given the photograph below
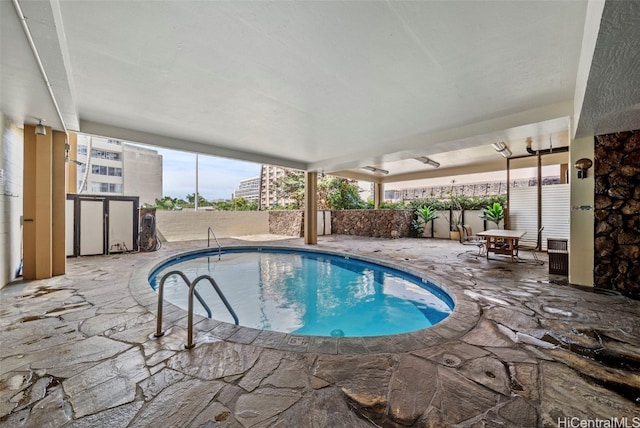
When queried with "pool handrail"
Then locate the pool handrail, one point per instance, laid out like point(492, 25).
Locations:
point(209, 233)
point(159, 332)
point(192, 291)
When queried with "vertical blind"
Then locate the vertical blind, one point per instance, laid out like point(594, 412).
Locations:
point(523, 212)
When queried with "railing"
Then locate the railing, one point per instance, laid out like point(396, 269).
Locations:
point(192, 292)
point(209, 233)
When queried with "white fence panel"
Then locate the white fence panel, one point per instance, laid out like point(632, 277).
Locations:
point(441, 225)
point(324, 223)
point(472, 219)
point(91, 227)
point(69, 226)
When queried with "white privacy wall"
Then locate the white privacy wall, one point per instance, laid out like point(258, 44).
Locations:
point(11, 165)
point(523, 213)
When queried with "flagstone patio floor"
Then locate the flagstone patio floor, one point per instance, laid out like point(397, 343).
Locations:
point(522, 349)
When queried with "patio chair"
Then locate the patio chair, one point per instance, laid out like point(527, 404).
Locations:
point(533, 250)
point(466, 238)
point(468, 233)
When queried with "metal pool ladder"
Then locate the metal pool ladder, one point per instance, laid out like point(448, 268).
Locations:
point(192, 292)
point(209, 233)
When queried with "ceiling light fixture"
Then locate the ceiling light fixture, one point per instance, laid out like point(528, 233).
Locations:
point(374, 169)
point(428, 161)
point(502, 148)
point(40, 129)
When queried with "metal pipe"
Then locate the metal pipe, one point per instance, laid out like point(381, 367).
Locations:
point(507, 215)
point(34, 50)
point(196, 195)
point(539, 191)
point(209, 233)
point(545, 151)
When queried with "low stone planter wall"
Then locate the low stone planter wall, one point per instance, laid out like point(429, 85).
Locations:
point(375, 223)
point(289, 223)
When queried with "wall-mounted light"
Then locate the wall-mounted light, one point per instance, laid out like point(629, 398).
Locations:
point(374, 169)
point(501, 148)
point(40, 129)
point(583, 165)
point(428, 161)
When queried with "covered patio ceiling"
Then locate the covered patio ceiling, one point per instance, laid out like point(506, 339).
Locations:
point(326, 86)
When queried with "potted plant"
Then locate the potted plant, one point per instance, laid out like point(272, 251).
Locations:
point(424, 215)
point(493, 213)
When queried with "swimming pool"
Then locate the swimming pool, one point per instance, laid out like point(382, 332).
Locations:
point(307, 292)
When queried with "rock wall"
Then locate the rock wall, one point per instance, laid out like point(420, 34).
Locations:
point(617, 212)
point(290, 223)
point(376, 223)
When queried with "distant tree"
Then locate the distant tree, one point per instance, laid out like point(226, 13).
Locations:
point(202, 202)
point(169, 203)
point(323, 194)
point(333, 192)
point(223, 205)
point(236, 204)
point(241, 204)
point(291, 187)
point(342, 194)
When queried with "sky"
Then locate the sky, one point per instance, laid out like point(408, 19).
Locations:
point(218, 178)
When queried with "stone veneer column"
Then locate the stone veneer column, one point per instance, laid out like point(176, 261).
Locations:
point(617, 212)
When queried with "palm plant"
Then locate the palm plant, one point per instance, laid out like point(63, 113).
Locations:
point(493, 213)
point(424, 215)
point(427, 213)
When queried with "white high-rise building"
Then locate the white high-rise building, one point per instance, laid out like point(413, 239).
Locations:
point(112, 167)
point(249, 189)
point(268, 189)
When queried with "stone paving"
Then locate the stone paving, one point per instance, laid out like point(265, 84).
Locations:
point(522, 349)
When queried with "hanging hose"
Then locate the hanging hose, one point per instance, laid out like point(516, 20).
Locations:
point(148, 237)
point(19, 270)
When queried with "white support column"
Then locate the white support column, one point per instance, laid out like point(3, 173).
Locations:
point(378, 194)
point(581, 238)
point(44, 204)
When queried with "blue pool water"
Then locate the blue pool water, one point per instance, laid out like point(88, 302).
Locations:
point(308, 293)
